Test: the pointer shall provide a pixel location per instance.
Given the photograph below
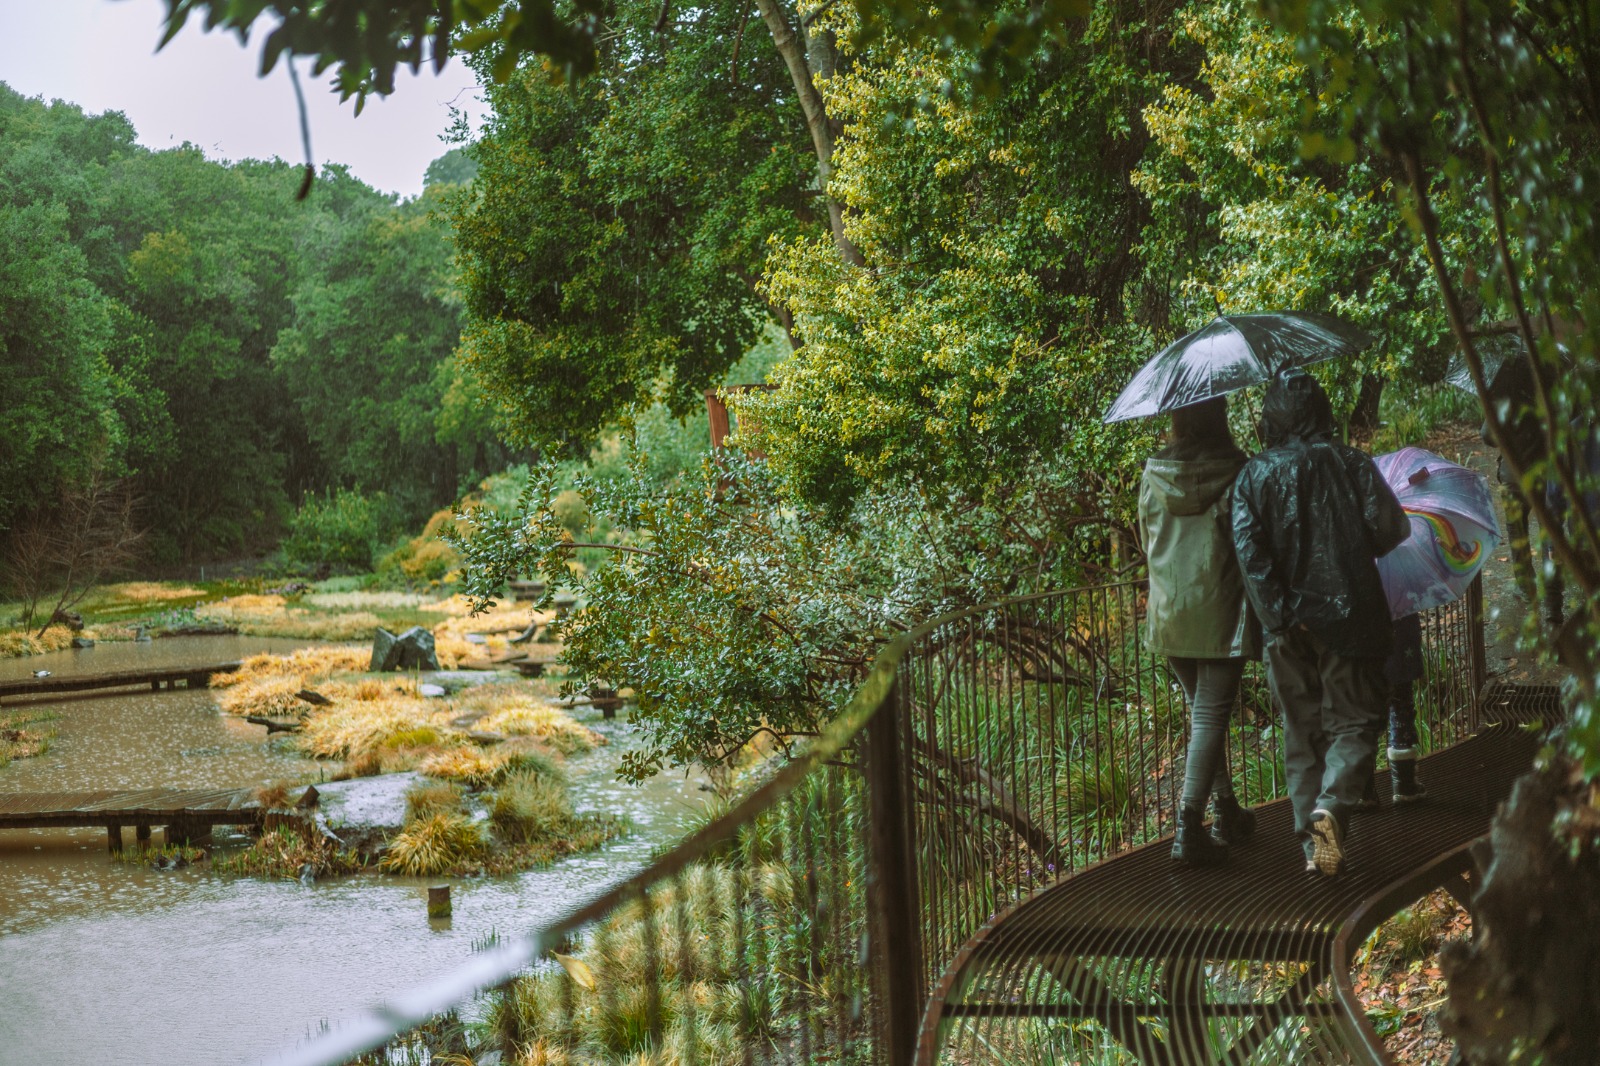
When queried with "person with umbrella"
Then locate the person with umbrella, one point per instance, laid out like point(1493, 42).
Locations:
point(1310, 518)
point(1197, 615)
point(1453, 532)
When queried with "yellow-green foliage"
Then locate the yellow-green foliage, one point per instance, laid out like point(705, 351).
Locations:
point(438, 843)
point(529, 807)
point(425, 557)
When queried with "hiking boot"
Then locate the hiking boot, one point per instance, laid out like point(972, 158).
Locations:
point(1193, 846)
point(1327, 853)
point(1403, 776)
point(1232, 823)
point(1369, 796)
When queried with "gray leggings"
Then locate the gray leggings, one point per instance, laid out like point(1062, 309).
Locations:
point(1210, 686)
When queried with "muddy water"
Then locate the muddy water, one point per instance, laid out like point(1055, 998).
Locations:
point(105, 963)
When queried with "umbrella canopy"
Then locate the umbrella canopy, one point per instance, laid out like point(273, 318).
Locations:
point(1502, 355)
point(1453, 530)
point(1233, 352)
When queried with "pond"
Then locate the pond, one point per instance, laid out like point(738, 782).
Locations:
point(102, 962)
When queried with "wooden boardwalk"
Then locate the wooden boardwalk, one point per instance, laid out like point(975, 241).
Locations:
point(187, 814)
point(155, 678)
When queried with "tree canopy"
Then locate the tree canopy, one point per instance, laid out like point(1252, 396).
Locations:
point(189, 326)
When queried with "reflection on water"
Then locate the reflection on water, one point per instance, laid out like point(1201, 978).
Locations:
point(112, 656)
point(104, 963)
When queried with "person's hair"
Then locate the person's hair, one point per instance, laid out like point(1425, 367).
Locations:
point(1200, 431)
point(1203, 421)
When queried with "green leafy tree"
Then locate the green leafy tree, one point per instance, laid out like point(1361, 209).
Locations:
point(375, 322)
point(55, 388)
point(612, 241)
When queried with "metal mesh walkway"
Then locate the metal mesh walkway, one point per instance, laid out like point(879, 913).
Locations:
point(1141, 959)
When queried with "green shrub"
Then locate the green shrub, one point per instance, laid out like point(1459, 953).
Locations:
point(338, 532)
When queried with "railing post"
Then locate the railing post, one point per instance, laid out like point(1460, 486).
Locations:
point(1477, 655)
point(895, 947)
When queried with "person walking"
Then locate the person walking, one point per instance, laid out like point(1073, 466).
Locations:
point(1402, 671)
point(1310, 516)
point(1197, 616)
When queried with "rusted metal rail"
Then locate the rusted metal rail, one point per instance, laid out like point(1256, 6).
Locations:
point(971, 865)
point(155, 679)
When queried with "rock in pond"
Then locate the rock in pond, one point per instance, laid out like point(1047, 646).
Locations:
point(411, 650)
point(366, 811)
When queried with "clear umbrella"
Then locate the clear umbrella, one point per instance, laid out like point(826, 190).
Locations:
point(1233, 352)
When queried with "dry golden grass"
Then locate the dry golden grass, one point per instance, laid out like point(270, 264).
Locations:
point(15, 643)
point(147, 592)
point(270, 696)
point(266, 684)
point(472, 767)
point(437, 843)
point(352, 728)
point(515, 713)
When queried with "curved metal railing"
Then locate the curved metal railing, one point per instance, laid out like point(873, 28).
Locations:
point(988, 755)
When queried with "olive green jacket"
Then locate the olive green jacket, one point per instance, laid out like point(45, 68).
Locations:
point(1197, 606)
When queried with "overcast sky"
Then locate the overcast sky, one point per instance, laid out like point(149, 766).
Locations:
point(100, 55)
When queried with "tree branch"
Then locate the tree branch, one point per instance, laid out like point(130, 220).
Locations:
point(793, 51)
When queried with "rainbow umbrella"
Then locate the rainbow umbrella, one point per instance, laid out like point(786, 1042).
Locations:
point(1453, 529)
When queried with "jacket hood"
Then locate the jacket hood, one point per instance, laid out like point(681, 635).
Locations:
point(1295, 407)
point(1188, 487)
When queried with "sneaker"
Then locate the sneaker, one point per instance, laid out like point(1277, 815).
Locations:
point(1369, 796)
point(1326, 854)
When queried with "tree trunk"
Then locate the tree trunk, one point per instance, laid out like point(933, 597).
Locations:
point(795, 57)
point(1527, 985)
point(1364, 416)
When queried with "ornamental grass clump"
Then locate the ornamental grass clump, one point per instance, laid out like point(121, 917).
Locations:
point(471, 767)
point(287, 851)
point(705, 996)
point(530, 807)
point(517, 714)
point(437, 843)
point(15, 643)
point(351, 729)
point(430, 798)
